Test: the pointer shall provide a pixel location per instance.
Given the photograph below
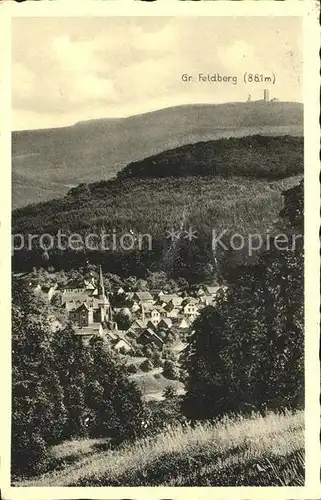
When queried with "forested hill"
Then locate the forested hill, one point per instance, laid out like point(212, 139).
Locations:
point(233, 184)
point(254, 156)
point(47, 163)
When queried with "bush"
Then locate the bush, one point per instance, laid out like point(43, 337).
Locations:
point(29, 454)
point(157, 360)
point(148, 352)
point(170, 370)
point(169, 391)
point(58, 383)
point(132, 368)
point(139, 353)
point(146, 365)
point(247, 353)
point(170, 356)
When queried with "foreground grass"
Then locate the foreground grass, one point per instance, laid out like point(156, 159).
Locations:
point(253, 451)
point(154, 385)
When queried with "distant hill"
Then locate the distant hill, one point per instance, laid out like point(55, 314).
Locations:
point(252, 156)
point(232, 184)
point(47, 163)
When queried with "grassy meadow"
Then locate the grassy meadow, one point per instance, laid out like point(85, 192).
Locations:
point(232, 451)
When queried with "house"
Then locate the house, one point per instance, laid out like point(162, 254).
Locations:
point(78, 296)
point(155, 317)
point(144, 297)
point(148, 336)
point(141, 284)
point(165, 323)
point(173, 313)
point(151, 325)
point(174, 303)
point(86, 333)
point(135, 307)
point(83, 315)
point(211, 290)
point(200, 292)
point(183, 324)
point(207, 300)
point(84, 309)
point(156, 314)
point(138, 324)
point(118, 340)
point(122, 344)
point(111, 336)
point(190, 308)
point(164, 300)
point(90, 286)
point(50, 291)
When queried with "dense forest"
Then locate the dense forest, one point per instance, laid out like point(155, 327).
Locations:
point(244, 355)
point(254, 156)
point(243, 194)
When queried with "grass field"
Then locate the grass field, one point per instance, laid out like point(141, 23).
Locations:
point(233, 451)
point(153, 387)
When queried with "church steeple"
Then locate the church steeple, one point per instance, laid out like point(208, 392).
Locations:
point(103, 302)
point(101, 287)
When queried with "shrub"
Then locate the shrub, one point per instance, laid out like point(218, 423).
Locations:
point(169, 391)
point(170, 370)
point(248, 352)
point(157, 360)
point(139, 353)
point(132, 368)
point(146, 365)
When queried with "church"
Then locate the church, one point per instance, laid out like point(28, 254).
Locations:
point(88, 306)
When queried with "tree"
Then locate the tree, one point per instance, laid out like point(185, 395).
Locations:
point(207, 389)
point(37, 395)
point(248, 352)
point(71, 363)
point(169, 391)
point(115, 401)
point(123, 319)
point(157, 280)
point(59, 385)
point(147, 365)
point(132, 368)
point(157, 359)
point(170, 370)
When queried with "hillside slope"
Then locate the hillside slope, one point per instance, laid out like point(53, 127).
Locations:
point(238, 451)
point(230, 185)
point(253, 156)
point(46, 163)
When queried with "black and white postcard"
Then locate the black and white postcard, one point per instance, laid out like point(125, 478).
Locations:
point(160, 251)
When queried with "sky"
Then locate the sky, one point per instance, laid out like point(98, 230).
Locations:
point(66, 70)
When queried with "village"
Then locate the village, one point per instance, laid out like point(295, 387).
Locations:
point(141, 326)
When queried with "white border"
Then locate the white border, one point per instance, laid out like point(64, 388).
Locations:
point(58, 8)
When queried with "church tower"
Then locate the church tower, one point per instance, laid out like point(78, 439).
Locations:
point(103, 301)
point(101, 286)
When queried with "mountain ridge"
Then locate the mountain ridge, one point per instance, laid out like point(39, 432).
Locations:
point(47, 162)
